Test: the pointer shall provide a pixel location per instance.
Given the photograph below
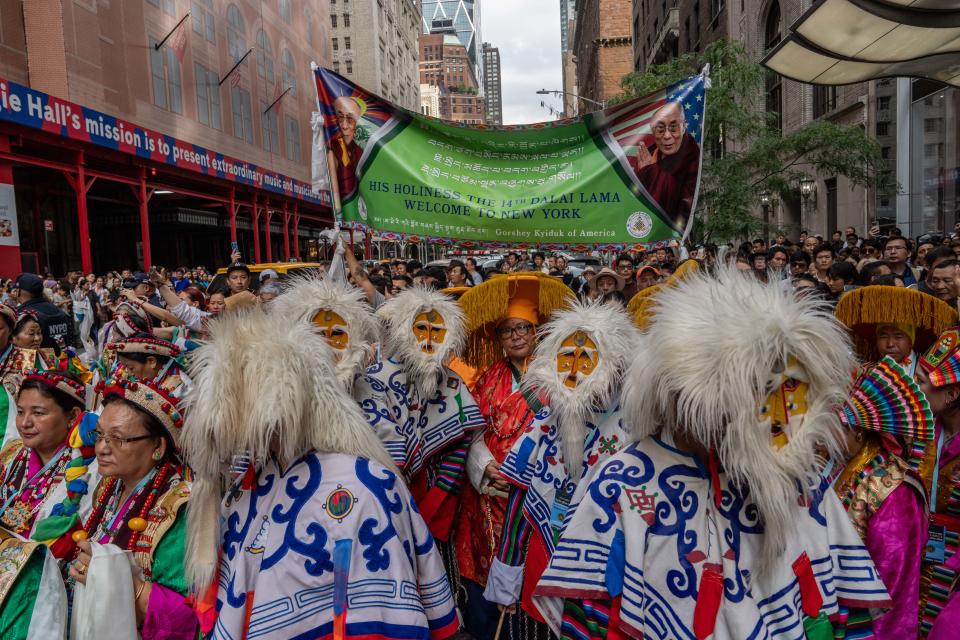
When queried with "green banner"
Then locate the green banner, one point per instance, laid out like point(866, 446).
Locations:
point(620, 177)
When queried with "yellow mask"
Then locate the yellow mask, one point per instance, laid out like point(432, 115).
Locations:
point(787, 399)
point(429, 328)
point(334, 328)
point(578, 357)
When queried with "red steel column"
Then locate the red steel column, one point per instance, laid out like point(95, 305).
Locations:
point(232, 210)
point(286, 232)
point(143, 197)
point(267, 214)
point(80, 187)
point(254, 220)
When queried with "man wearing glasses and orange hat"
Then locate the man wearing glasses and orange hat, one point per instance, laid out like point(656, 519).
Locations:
point(502, 317)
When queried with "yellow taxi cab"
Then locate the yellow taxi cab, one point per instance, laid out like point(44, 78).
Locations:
point(283, 270)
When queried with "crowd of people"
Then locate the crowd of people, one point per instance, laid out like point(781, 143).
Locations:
point(732, 442)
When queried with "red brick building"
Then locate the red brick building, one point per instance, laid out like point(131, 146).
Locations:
point(229, 78)
point(444, 64)
point(602, 44)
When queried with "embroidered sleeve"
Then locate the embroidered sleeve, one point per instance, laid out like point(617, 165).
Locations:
point(520, 461)
point(589, 558)
point(450, 468)
point(855, 578)
point(516, 530)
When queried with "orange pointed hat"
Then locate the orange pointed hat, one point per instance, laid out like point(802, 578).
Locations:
point(920, 315)
point(530, 296)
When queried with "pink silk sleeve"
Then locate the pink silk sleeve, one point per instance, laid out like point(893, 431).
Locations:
point(896, 535)
point(168, 616)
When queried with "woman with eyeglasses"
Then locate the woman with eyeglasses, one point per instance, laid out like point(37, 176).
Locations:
point(506, 311)
point(37, 473)
point(139, 506)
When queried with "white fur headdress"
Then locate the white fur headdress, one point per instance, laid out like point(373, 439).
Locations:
point(712, 352)
point(267, 390)
point(398, 314)
point(305, 296)
point(616, 338)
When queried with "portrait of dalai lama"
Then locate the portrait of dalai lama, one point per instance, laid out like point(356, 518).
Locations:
point(343, 151)
point(668, 169)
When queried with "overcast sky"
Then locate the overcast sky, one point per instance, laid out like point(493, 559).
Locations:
point(529, 42)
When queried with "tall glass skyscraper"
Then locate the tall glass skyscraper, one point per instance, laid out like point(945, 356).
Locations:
point(461, 17)
point(568, 9)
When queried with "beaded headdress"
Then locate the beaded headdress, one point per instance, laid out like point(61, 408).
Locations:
point(150, 398)
point(149, 346)
point(941, 362)
point(75, 390)
point(23, 316)
point(124, 314)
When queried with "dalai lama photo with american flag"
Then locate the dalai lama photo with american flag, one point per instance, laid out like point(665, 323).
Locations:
point(668, 169)
point(657, 142)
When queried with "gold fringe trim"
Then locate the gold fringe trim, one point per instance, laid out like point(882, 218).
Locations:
point(487, 304)
point(639, 305)
point(861, 310)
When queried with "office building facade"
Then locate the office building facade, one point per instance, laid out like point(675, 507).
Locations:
point(445, 64)
point(491, 83)
point(188, 132)
point(602, 48)
point(374, 44)
point(461, 17)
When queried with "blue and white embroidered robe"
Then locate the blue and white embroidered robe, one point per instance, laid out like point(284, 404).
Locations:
point(411, 428)
point(647, 526)
point(332, 532)
point(535, 463)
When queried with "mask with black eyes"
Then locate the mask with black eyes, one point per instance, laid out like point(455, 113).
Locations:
point(337, 311)
point(424, 330)
point(334, 329)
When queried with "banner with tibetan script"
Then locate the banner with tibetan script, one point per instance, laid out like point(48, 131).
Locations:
point(624, 176)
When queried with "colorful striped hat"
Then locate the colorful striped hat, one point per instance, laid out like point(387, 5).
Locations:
point(942, 361)
point(887, 400)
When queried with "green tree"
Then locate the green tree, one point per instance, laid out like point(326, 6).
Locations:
point(744, 155)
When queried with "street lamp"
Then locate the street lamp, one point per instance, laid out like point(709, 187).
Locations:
point(765, 205)
point(558, 92)
point(808, 189)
